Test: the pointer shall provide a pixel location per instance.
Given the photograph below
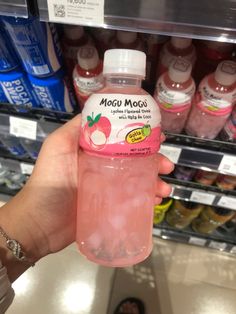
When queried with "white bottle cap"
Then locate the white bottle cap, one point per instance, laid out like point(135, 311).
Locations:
point(88, 58)
point(73, 32)
point(180, 70)
point(126, 37)
point(225, 73)
point(125, 61)
point(181, 43)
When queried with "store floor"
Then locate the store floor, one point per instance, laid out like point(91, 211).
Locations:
point(176, 279)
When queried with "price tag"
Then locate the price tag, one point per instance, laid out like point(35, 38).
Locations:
point(228, 202)
point(85, 12)
point(202, 197)
point(217, 245)
point(228, 164)
point(171, 152)
point(26, 168)
point(156, 232)
point(23, 128)
point(172, 191)
point(197, 241)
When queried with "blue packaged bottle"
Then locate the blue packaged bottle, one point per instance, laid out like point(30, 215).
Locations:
point(37, 44)
point(17, 89)
point(3, 98)
point(53, 92)
point(8, 58)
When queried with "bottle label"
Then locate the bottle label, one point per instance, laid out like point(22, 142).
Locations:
point(213, 101)
point(230, 129)
point(173, 99)
point(87, 86)
point(120, 125)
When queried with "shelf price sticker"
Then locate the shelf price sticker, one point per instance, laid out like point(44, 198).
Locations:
point(202, 197)
point(82, 12)
point(171, 152)
point(156, 232)
point(228, 202)
point(26, 168)
point(23, 128)
point(218, 245)
point(228, 164)
point(197, 241)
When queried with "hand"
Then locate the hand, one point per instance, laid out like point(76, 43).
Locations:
point(45, 209)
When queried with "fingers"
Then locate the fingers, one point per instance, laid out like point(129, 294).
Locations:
point(163, 189)
point(165, 166)
point(163, 138)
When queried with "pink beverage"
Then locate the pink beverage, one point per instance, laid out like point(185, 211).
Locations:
point(127, 40)
point(120, 136)
point(74, 38)
point(103, 38)
point(176, 48)
point(228, 133)
point(213, 102)
point(174, 94)
point(210, 54)
point(87, 74)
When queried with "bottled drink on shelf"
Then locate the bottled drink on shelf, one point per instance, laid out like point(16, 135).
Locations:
point(209, 55)
point(36, 43)
point(211, 218)
point(54, 92)
point(74, 38)
point(32, 147)
point(127, 40)
point(228, 133)
point(120, 136)
point(17, 89)
point(226, 182)
point(3, 98)
point(87, 74)
point(8, 57)
point(160, 210)
point(205, 177)
point(182, 213)
point(213, 102)
point(184, 173)
point(13, 145)
point(174, 94)
point(176, 48)
point(103, 38)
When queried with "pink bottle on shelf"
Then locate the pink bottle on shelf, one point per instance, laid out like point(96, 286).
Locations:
point(87, 74)
point(176, 48)
point(127, 40)
point(74, 37)
point(120, 136)
point(174, 94)
point(213, 102)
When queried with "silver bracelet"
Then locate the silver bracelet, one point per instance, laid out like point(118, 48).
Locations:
point(15, 247)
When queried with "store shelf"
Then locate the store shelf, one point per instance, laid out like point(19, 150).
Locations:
point(207, 195)
point(210, 155)
point(14, 8)
point(213, 20)
point(216, 240)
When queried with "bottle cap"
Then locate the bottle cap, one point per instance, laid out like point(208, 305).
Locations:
point(225, 73)
point(126, 37)
point(181, 43)
point(73, 32)
point(88, 58)
point(180, 70)
point(125, 61)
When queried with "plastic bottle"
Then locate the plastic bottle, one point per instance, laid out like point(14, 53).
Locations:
point(213, 102)
point(228, 133)
point(53, 92)
point(17, 89)
point(184, 173)
point(37, 44)
point(32, 147)
point(13, 145)
point(127, 40)
point(103, 38)
point(74, 38)
point(226, 182)
point(205, 177)
point(120, 136)
point(176, 48)
point(174, 94)
point(87, 75)
point(8, 58)
point(160, 210)
point(3, 98)
point(210, 54)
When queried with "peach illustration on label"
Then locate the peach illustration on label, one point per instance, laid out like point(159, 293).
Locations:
point(97, 130)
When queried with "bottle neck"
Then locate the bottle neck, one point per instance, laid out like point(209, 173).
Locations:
point(123, 81)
